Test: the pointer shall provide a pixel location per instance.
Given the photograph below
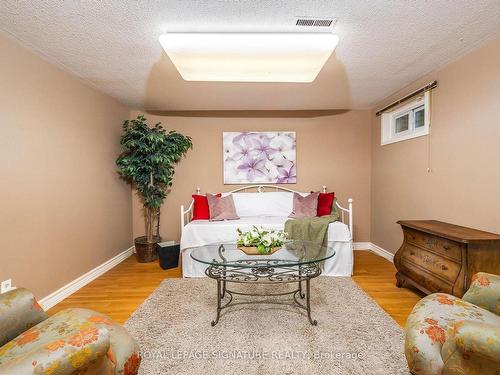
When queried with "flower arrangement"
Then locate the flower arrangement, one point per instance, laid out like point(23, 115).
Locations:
point(262, 240)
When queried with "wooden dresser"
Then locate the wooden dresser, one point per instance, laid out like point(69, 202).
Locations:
point(442, 257)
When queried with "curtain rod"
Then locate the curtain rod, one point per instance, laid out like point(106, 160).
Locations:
point(428, 87)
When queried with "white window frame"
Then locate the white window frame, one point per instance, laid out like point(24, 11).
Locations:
point(388, 122)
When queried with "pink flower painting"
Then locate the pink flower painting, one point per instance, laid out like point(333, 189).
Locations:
point(259, 157)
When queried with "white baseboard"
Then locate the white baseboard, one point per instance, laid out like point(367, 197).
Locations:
point(362, 245)
point(382, 252)
point(70, 288)
point(375, 248)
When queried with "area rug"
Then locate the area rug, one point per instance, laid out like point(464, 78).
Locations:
point(353, 336)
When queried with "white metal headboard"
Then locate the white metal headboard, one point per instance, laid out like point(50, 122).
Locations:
point(187, 214)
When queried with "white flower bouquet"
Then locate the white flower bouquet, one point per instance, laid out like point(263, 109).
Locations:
point(260, 241)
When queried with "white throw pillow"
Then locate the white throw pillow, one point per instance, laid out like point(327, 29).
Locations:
point(263, 204)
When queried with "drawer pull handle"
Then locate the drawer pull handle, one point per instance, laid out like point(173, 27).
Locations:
point(446, 247)
point(444, 268)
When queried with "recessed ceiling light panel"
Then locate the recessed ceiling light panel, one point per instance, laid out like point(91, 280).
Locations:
point(249, 57)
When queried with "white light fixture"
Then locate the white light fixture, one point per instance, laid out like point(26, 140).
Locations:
point(249, 57)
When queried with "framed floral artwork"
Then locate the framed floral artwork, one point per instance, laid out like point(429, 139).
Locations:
point(260, 157)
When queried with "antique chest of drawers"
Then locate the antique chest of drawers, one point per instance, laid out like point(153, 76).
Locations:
point(442, 257)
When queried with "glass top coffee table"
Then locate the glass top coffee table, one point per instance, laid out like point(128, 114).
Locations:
point(297, 262)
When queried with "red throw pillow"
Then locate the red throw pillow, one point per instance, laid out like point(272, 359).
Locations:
point(325, 203)
point(200, 207)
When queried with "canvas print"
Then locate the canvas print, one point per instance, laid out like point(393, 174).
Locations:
point(259, 157)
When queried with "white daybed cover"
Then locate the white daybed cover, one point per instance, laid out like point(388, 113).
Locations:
point(204, 232)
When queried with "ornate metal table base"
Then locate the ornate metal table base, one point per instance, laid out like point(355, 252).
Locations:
point(264, 271)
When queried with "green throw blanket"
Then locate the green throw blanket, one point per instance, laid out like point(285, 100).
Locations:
point(313, 229)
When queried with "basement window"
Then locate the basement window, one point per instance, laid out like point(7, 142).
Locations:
point(406, 122)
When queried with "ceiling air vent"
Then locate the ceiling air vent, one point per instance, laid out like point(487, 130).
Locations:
point(313, 22)
point(304, 22)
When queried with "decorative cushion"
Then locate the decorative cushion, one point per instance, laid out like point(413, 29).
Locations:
point(304, 206)
point(325, 203)
point(221, 208)
point(201, 210)
point(263, 204)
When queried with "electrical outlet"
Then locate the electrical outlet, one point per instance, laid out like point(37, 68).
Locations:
point(6, 286)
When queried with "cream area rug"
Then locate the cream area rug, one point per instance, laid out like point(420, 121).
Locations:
point(353, 336)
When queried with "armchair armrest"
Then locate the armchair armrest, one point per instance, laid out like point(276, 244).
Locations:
point(19, 311)
point(62, 358)
point(485, 292)
point(473, 345)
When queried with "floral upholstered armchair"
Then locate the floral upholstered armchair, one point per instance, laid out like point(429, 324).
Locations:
point(73, 341)
point(446, 335)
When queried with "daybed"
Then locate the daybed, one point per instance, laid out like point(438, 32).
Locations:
point(269, 209)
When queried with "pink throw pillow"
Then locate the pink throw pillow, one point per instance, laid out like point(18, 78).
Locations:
point(221, 208)
point(304, 206)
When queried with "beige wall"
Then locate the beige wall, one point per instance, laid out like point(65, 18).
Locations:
point(332, 150)
point(63, 209)
point(464, 184)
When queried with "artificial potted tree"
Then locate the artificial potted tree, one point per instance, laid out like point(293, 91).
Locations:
point(147, 162)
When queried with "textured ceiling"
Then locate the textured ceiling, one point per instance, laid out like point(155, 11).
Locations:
point(384, 45)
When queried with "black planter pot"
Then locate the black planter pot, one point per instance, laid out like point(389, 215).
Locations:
point(146, 251)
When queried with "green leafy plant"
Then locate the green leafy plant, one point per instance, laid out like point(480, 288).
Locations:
point(264, 240)
point(147, 162)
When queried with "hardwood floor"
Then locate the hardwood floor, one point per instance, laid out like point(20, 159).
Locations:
point(375, 275)
point(121, 290)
